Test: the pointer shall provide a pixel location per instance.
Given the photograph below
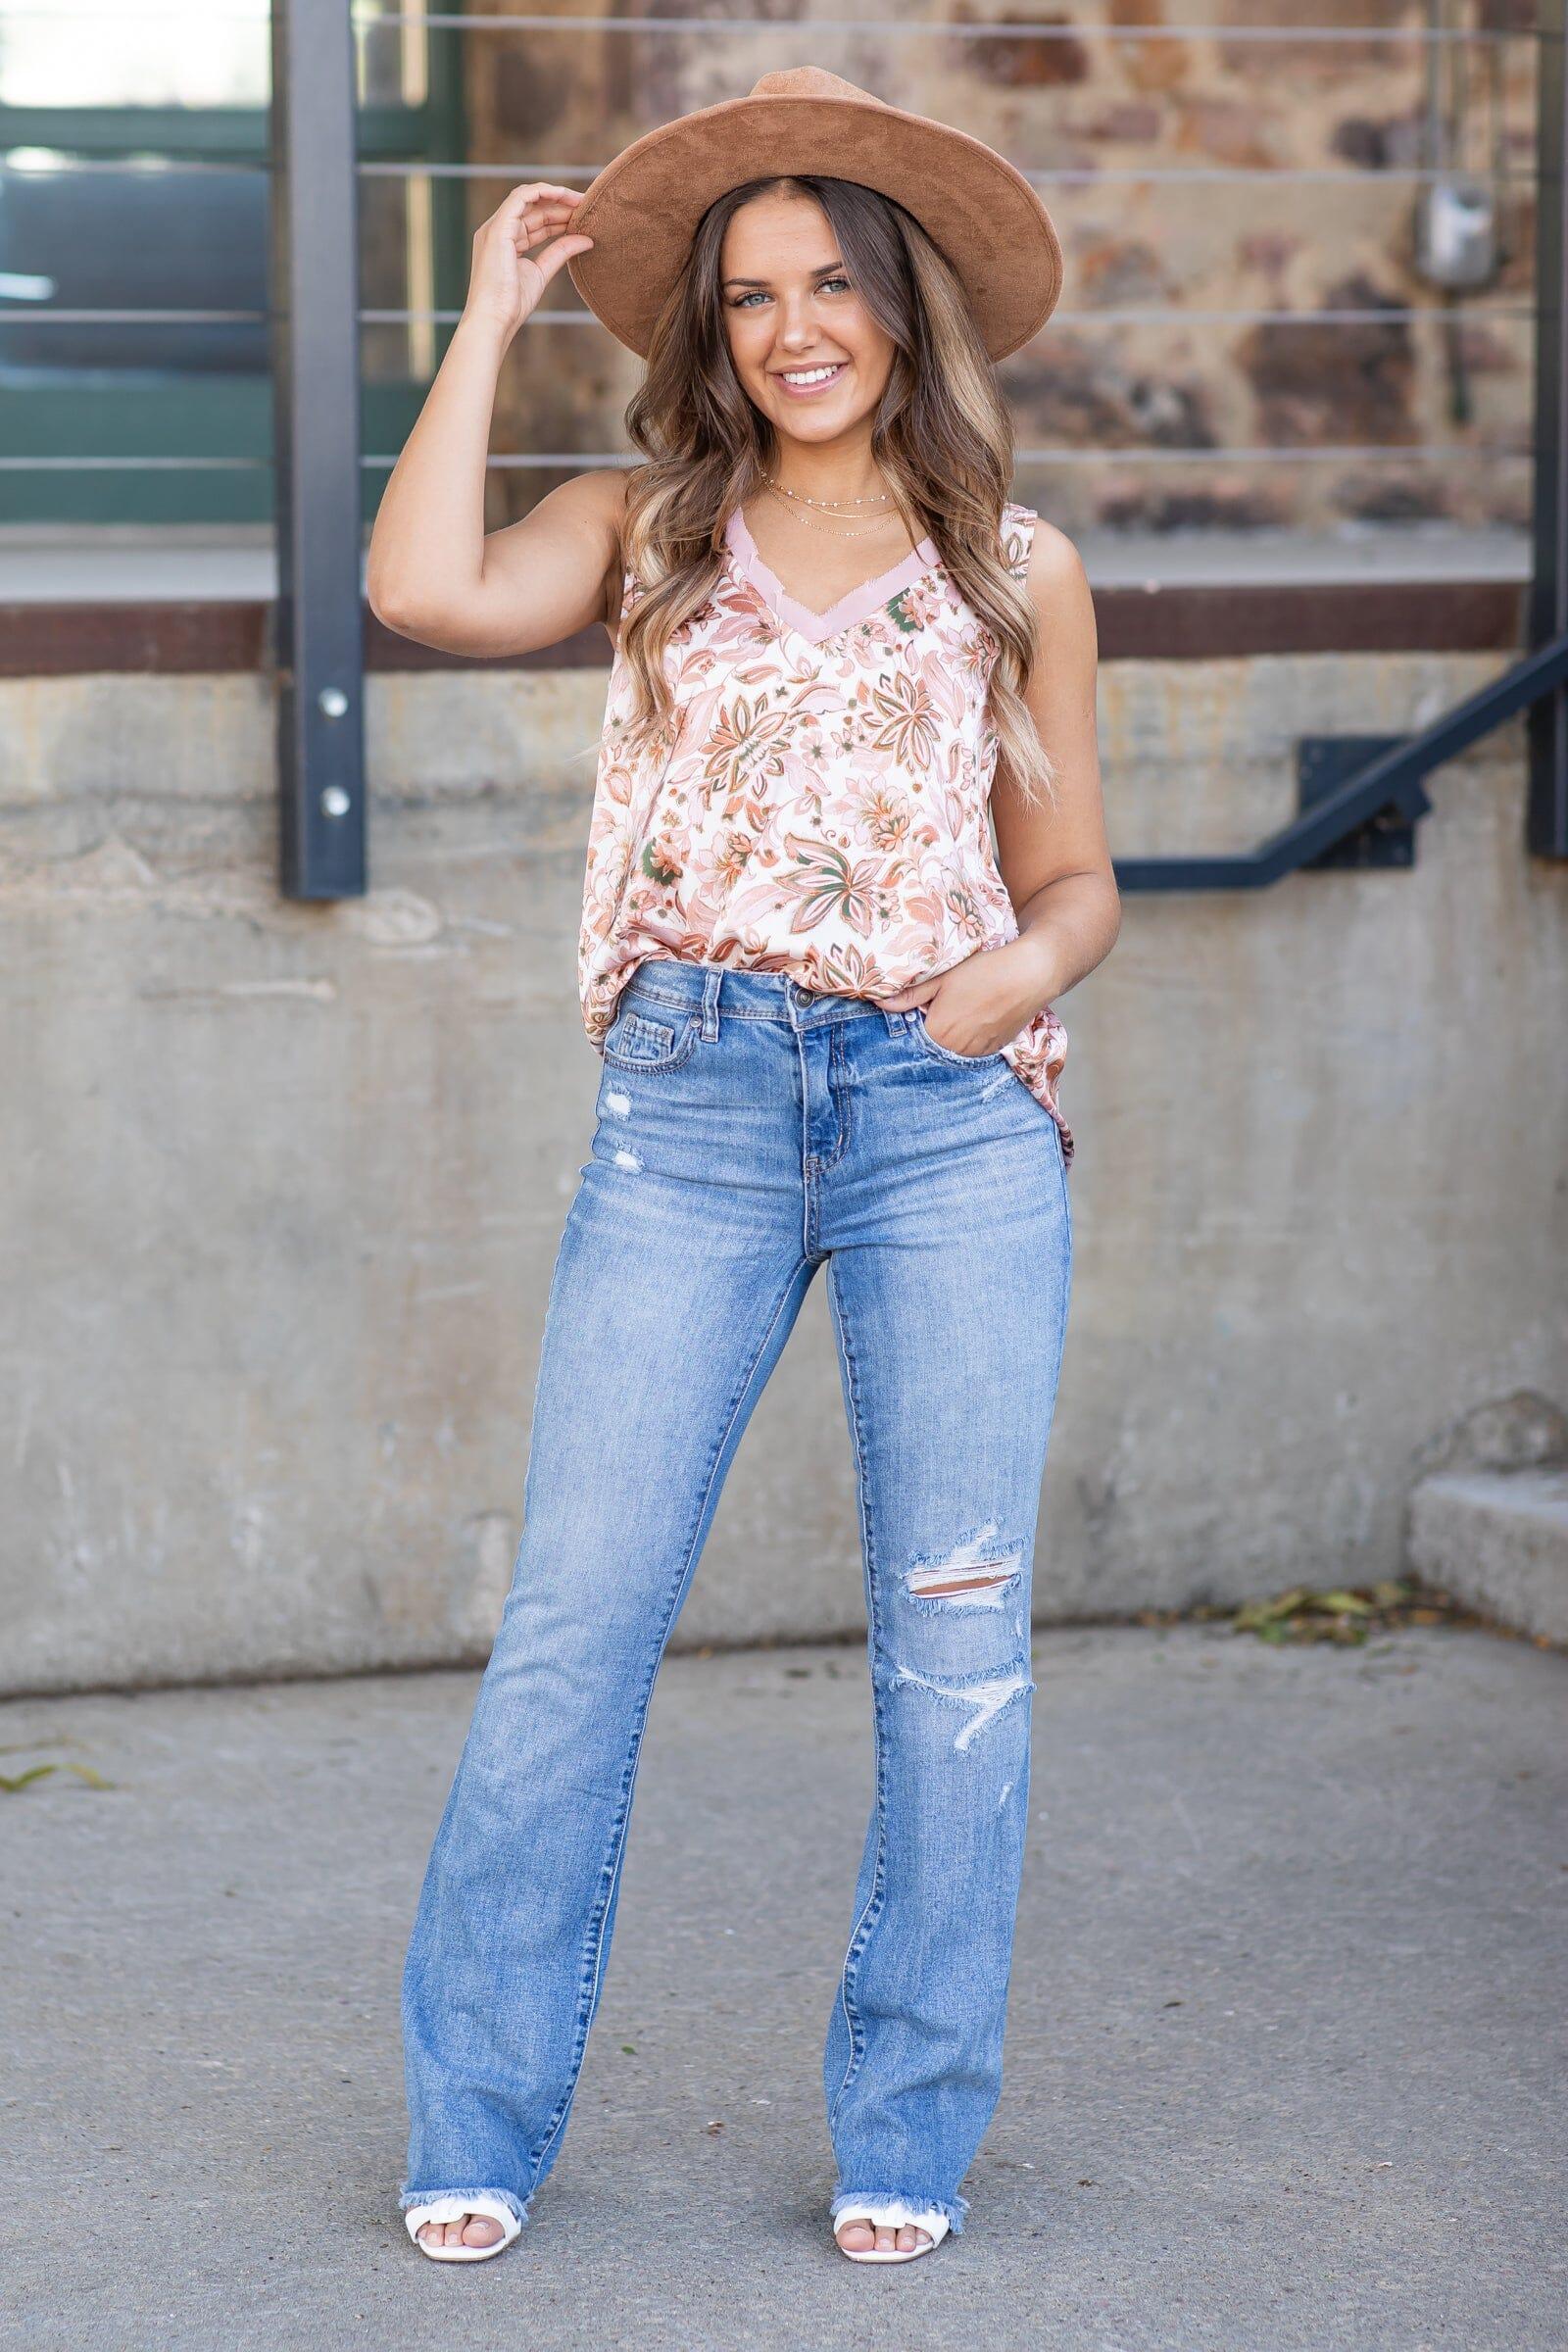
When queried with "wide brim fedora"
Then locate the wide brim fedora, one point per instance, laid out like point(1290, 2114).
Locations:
point(642, 208)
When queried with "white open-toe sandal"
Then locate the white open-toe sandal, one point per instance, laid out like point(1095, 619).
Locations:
point(452, 2209)
point(890, 2214)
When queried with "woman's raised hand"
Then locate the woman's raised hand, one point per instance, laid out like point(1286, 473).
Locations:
point(510, 273)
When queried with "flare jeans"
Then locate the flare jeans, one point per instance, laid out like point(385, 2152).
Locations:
point(748, 1132)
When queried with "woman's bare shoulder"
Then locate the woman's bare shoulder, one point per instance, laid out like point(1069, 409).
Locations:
point(1057, 586)
point(1053, 564)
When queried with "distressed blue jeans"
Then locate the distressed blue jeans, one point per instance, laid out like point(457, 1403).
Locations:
point(748, 1132)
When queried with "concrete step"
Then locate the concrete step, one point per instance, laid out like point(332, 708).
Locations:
point(1498, 1540)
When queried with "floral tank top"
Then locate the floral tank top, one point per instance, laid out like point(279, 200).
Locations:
point(819, 808)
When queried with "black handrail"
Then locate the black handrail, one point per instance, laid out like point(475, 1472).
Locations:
point(1394, 780)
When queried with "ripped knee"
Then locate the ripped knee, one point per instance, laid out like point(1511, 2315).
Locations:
point(962, 1637)
point(978, 1700)
point(974, 1574)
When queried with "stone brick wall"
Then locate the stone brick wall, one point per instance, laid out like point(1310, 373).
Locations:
point(1099, 105)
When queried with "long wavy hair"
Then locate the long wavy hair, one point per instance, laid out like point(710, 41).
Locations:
point(940, 438)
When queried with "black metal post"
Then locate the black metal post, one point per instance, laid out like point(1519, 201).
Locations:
point(1547, 726)
point(316, 398)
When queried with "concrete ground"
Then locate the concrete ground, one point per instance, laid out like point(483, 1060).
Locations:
point(1283, 2051)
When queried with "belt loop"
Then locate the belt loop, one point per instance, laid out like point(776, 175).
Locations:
point(710, 988)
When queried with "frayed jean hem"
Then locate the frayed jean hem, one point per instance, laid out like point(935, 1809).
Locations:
point(408, 2198)
point(952, 2208)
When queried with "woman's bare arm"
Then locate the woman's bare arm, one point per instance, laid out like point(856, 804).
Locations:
point(1055, 861)
point(433, 573)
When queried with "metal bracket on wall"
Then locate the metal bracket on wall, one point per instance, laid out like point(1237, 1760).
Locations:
point(1387, 838)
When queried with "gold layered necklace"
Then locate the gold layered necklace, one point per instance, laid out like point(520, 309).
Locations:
point(872, 498)
point(795, 499)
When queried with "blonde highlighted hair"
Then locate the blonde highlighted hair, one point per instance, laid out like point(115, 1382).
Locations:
point(941, 439)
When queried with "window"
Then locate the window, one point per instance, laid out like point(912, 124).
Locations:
point(133, 180)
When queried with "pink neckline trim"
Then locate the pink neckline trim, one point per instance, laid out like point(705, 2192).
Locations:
point(860, 603)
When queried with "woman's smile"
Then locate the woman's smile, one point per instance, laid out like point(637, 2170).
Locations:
point(805, 383)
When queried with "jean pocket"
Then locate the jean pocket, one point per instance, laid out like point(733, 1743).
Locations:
point(638, 1040)
point(940, 1053)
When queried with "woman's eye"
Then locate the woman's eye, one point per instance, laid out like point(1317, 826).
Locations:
point(743, 301)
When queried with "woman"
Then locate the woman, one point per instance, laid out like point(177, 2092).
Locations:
point(824, 1010)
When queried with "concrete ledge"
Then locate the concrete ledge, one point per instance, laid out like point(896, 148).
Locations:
point(1497, 1540)
point(1156, 620)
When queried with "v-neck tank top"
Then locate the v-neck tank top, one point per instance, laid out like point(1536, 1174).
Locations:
point(820, 807)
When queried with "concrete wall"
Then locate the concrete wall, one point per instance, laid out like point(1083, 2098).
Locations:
point(283, 1183)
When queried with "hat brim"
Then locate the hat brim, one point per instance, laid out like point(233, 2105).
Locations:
point(642, 210)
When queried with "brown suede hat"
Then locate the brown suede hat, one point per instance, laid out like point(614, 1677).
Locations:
point(642, 208)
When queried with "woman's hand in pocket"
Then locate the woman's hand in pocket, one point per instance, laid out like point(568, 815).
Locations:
point(979, 1006)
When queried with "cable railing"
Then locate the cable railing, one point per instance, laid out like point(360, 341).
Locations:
point(316, 318)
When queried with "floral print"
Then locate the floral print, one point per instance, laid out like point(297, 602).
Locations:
point(820, 808)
